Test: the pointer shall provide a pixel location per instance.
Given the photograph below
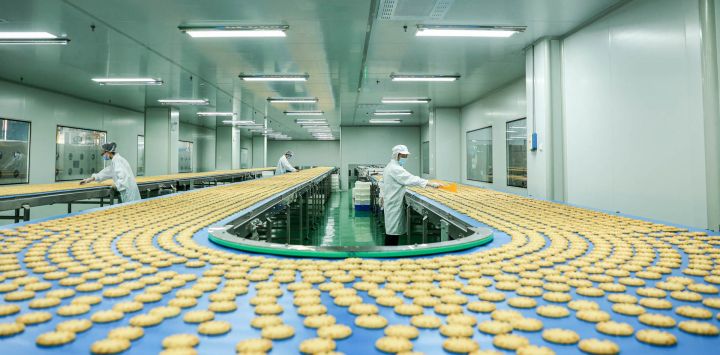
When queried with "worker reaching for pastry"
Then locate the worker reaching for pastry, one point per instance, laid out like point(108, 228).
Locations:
point(284, 165)
point(119, 171)
point(395, 179)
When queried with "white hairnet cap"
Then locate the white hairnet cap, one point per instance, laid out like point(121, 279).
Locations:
point(289, 152)
point(400, 149)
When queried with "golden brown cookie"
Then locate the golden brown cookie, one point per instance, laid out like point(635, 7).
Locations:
point(510, 341)
point(129, 333)
point(372, 321)
point(317, 345)
point(615, 328)
point(699, 328)
point(74, 325)
point(110, 346)
point(393, 345)
point(180, 341)
point(402, 331)
point(276, 332)
point(253, 346)
point(460, 345)
point(598, 347)
point(214, 327)
point(560, 336)
point(655, 337)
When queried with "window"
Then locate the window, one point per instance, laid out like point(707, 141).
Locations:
point(185, 150)
point(426, 157)
point(516, 133)
point(141, 156)
point(479, 155)
point(14, 151)
point(78, 153)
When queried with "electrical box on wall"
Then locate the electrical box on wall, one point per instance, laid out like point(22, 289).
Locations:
point(534, 142)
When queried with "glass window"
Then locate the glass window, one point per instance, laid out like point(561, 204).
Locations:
point(426, 157)
point(141, 156)
point(517, 153)
point(479, 155)
point(185, 150)
point(78, 153)
point(14, 151)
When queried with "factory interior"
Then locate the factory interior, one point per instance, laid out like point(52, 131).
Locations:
point(359, 177)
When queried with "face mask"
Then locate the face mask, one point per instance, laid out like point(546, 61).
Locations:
point(402, 161)
point(105, 157)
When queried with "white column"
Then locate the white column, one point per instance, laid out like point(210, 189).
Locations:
point(161, 140)
point(546, 167)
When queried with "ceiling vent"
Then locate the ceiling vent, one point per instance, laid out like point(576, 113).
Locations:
point(414, 10)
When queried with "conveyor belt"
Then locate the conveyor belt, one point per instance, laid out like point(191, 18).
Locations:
point(546, 239)
point(22, 197)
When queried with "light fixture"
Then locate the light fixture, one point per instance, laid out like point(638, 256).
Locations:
point(392, 112)
point(397, 77)
point(313, 124)
point(303, 113)
point(242, 123)
point(216, 114)
point(128, 81)
point(293, 100)
point(384, 120)
point(467, 31)
point(31, 38)
point(196, 102)
point(405, 100)
point(274, 77)
point(230, 31)
point(310, 120)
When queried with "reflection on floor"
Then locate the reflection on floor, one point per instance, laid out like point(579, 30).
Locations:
point(346, 227)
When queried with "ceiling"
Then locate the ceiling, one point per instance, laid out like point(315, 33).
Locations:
point(349, 66)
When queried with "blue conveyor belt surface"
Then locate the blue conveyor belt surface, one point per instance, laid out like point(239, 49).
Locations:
point(362, 340)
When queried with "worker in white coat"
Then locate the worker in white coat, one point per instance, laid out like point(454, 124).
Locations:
point(283, 165)
point(119, 171)
point(395, 179)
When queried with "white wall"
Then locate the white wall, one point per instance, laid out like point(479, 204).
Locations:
point(246, 142)
point(373, 145)
point(632, 88)
point(446, 150)
point(307, 153)
point(496, 109)
point(203, 139)
point(258, 153)
point(46, 110)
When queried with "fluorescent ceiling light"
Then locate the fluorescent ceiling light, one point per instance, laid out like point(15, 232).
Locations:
point(199, 102)
point(293, 100)
point(313, 124)
point(310, 120)
point(31, 38)
point(392, 113)
point(128, 81)
point(274, 77)
point(467, 31)
point(405, 100)
point(304, 113)
point(384, 120)
point(234, 31)
point(242, 123)
point(396, 77)
point(217, 114)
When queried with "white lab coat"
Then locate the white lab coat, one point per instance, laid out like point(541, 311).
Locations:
point(395, 179)
point(284, 166)
point(120, 172)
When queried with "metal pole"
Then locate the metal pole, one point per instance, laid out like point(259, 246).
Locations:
point(265, 123)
